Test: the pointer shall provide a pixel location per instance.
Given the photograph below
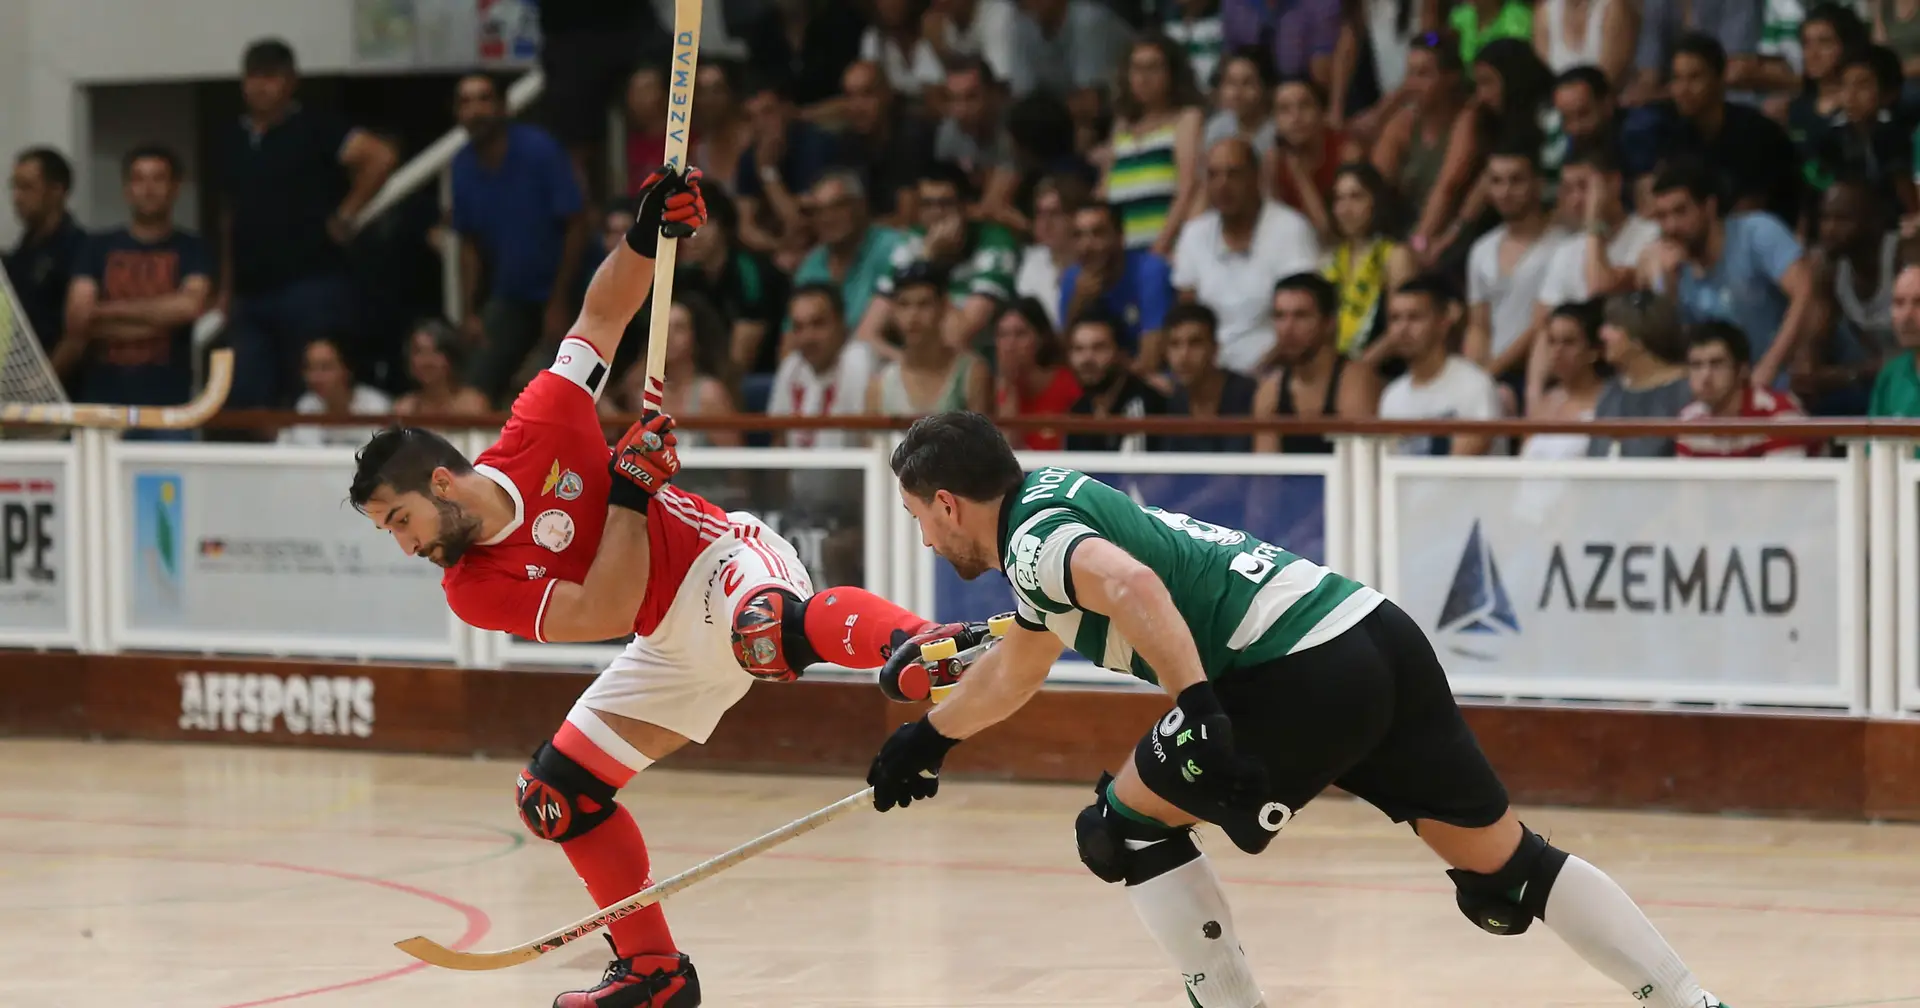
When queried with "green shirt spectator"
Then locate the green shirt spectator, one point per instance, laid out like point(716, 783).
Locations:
point(1479, 22)
point(1896, 393)
point(978, 259)
point(853, 254)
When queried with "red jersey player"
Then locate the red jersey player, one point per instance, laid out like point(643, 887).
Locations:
point(717, 599)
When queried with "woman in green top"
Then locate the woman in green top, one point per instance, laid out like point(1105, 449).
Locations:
point(1479, 22)
point(1154, 160)
point(1367, 264)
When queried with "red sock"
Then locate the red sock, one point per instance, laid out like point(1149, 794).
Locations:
point(612, 857)
point(854, 627)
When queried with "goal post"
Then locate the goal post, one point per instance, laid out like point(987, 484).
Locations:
point(31, 394)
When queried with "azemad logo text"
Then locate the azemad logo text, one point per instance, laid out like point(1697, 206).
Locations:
point(1602, 578)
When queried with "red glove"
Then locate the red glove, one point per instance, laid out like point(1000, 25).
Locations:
point(671, 204)
point(646, 458)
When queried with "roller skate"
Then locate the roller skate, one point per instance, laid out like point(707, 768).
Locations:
point(928, 664)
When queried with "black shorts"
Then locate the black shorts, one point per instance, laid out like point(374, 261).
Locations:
point(1370, 711)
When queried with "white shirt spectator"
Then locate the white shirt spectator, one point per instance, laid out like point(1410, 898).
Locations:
point(1566, 279)
point(1460, 391)
point(366, 401)
point(1039, 279)
point(1239, 286)
point(989, 36)
point(908, 71)
point(799, 390)
point(1511, 297)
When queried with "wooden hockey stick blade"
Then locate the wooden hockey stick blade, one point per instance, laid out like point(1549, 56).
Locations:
point(193, 414)
point(433, 953)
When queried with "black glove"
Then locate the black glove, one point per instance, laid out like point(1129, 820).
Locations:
point(1192, 750)
point(671, 204)
point(908, 765)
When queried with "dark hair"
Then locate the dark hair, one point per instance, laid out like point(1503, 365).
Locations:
point(756, 80)
point(1313, 88)
point(961, 452)
point(446, 342)
point(820, 289)
point(1526, 86)
point(1520, 147)
point(54, 166)
point(1847, 24)
point(1097, 314)
point(1596, 153)
point(402, 459)
point(920, 273)
point(1112, 211)
point(1034, 314)
point(721, 209)
point(1261, 59)
point(1588, 315)
point(1326, 297)
point(158, 152)
point(1435, 287)
point(1592, 76)
point(1651, 320)
point(1388, 208)
point(1182, 91)
point(1444, 46)
point(1193, 313)
point(1704, 48)
point(1715, 331)
point(487, 79)
point(947, 173)
point(970, 64)
point(268, 56)
point(1882, 62)
point(1690, 174)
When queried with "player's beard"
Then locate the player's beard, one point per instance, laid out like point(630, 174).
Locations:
point(968, 560)
point(458, 530)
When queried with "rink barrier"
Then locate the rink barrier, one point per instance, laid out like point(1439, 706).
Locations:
point(1828, 767)
point(1725, 584)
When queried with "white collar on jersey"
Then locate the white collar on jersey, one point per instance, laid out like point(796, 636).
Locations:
point(519, 506)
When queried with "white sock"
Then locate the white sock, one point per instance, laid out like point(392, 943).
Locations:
point(1593, 915)
point(1188, 915)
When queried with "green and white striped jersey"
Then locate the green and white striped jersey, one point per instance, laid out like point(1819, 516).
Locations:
point(1244, 600)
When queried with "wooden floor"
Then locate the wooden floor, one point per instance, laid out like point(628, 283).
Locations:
point(166, 876)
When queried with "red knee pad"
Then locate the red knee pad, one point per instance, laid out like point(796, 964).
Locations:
point(769, 635)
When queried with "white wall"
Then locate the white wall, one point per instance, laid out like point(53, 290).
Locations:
point(51, 49)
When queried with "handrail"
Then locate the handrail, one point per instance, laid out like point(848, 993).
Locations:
point(429, 163)
point(1810, 428)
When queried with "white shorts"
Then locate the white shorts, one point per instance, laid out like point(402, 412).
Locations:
point(683, 676)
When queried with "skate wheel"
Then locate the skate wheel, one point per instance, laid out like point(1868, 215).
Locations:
point(939, 650)
point(1001, 625)
point(940, 692)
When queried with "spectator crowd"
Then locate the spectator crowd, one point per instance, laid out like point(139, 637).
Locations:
point(1562, 210)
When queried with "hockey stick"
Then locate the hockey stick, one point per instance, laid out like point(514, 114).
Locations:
point(428, 951)
point(192, 414)
point(680, 74)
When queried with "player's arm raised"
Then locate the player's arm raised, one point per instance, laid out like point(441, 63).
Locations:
point(672, 205)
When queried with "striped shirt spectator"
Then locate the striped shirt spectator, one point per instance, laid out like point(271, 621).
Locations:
point(1720, 372)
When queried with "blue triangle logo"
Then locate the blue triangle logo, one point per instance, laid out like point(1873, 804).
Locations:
point(1477, 611)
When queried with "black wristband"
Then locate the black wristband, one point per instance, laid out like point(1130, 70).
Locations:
point(644, 236)
point(625, 493)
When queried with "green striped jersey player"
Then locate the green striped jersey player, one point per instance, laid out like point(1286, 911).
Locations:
point(1244, 601)
point(1285, 677)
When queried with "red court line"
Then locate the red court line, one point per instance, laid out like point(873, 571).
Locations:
point(478, 923)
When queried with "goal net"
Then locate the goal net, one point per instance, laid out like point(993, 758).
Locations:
point(25, 374)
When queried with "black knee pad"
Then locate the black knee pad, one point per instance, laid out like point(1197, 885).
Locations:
point(560, 799)
point(770, 635)
point(1102, 835)
point(1508, 901)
